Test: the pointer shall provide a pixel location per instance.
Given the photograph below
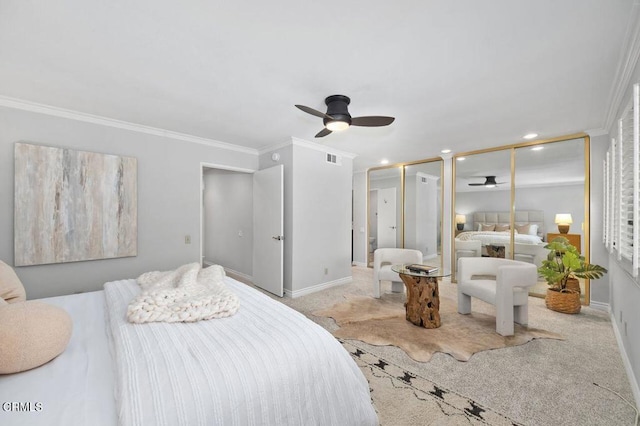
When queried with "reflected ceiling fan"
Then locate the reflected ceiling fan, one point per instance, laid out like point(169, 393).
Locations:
point(490, 182)
point(338, 118)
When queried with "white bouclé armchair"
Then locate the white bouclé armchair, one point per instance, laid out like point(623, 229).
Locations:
point(383, 259)
point(508, 292)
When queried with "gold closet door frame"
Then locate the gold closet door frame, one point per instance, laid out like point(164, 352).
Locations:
point(512, 148)
point(402, 196)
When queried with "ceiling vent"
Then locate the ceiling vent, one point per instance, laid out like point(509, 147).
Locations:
point(333, 159)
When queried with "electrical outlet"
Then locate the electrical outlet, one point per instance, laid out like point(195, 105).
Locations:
point(187, 239)
point(326, 271)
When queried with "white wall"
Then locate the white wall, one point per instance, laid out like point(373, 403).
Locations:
point(169, 174)
point(318, 211)
point(228, 220)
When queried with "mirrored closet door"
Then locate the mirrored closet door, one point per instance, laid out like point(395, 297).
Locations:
point(550, 183)
point(404, 208)
point(482, 213)
point(511, 201)
point(384, 209)
point(423, 210)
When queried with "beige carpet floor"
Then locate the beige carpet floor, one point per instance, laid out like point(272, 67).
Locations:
point(544, 382)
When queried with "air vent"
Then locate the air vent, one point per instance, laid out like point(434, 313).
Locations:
point(333, 159)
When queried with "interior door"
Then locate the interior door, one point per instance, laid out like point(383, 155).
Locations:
point(387, 225)
point(268, 229)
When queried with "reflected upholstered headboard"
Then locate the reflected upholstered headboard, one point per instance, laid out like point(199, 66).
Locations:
point(535, 217)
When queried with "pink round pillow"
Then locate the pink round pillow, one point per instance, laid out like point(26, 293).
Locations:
point(31, 333)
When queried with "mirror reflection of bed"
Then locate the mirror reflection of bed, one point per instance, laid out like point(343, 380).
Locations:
point(548, 181)
point(529, 232)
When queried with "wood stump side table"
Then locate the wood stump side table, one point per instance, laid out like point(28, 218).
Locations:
point(423, 296)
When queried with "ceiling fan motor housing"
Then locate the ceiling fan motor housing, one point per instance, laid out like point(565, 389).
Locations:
point(337, 109)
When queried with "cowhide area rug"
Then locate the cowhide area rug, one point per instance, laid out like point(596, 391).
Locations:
point(382, 322)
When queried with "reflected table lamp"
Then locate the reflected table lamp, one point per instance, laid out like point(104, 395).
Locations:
point(460, 221)
point(564, 221)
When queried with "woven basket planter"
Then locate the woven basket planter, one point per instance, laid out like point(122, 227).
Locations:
point(573, 284)
point(567, 302)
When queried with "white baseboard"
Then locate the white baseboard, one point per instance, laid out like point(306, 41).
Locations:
point(600, 306)
point(635, 388)
point(361, 264)
point(318, 287)
point(239, 275)
point(232, 273)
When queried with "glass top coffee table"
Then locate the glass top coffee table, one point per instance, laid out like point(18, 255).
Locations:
point(423, 296)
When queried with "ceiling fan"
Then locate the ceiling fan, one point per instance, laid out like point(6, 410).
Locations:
point(490, 182)
point(338, 118)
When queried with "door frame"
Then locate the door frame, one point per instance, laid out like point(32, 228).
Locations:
point(204, 165)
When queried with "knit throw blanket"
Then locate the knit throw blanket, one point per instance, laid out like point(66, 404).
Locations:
point(187, 294)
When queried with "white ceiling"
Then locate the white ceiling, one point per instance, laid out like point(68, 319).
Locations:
point(463, 75)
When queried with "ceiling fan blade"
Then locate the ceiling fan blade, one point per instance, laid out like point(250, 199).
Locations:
point(476, 184)
point(372, 121)
point(323, 132)
point(312, 111)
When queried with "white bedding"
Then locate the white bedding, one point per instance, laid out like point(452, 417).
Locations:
point(498, 238)
point(270, 363)
point(76, 388)
point(266, 365)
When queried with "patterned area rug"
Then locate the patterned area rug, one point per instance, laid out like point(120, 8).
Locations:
point(402, 397)
point(382, 322)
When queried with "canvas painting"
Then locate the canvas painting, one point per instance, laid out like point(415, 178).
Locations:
point(73, 205)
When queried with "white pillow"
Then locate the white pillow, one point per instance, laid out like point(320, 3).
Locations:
point(533, 229)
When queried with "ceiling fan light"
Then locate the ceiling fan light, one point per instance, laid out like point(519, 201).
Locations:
point(337, 125)
point(489, 186)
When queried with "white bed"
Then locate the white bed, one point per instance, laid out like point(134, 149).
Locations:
point(498, 238)
point(268, 364)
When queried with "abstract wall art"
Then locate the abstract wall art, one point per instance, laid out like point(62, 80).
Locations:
point(73, 205)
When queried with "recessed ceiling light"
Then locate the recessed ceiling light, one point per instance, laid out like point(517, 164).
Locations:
point(537, 148)
point(445, 151)
point(530, 135)
point(461, 158)
point(384, 161)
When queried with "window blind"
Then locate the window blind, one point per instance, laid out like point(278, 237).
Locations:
point(621, 169)
point(626, 157)
point(636, 180)
point(605, 201)
point(615, 229)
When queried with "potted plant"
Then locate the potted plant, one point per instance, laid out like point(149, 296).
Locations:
point(561, 270)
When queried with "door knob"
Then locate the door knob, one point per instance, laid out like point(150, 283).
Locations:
point(392, 227)
point(278, 237)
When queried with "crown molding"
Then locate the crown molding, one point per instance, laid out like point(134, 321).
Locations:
point(307, 144)
point(625, 69)
point(597, 132)
point(21, 104)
